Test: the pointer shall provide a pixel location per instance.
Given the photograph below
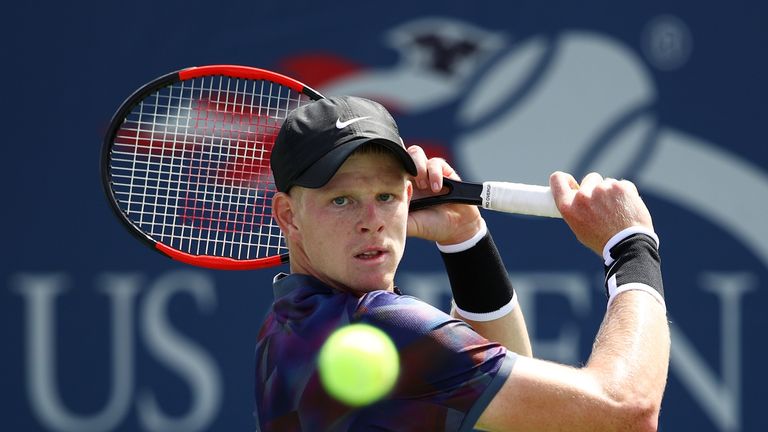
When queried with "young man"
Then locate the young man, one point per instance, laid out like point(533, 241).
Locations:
point(345, 180)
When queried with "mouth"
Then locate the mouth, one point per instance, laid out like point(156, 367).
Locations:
point(371, 254)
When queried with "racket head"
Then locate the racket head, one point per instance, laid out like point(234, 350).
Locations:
point(185, 164)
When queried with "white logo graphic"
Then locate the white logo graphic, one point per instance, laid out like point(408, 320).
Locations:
point(578, 102)
point(342, 124)
point(167, 345)
point(582, 101)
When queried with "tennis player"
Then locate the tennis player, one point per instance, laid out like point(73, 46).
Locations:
point(345, 180)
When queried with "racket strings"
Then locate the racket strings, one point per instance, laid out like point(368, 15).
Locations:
point(190, 165)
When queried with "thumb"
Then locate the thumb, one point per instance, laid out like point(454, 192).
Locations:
point(564, 188)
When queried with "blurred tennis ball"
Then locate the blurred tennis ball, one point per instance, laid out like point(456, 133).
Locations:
point(358, 364)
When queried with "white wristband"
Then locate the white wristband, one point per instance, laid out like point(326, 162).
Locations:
point(487, 316)
point(466, 244)
point(614, 290)
point(621, 235)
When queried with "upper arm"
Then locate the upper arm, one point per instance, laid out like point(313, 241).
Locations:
point(509, 330)
point(545, 396)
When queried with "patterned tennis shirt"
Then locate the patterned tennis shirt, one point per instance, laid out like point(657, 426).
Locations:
point(448, 372)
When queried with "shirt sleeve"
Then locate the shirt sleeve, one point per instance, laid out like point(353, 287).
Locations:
point(448, 372)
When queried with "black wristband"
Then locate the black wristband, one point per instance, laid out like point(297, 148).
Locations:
point(636, 265)
point(479, 280)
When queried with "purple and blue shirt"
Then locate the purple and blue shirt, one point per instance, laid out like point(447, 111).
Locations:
point(448, 372)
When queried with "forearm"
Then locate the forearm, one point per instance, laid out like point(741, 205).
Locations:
point(620, 388)
point(484, 294)
point(631, 351)
point(509, 330)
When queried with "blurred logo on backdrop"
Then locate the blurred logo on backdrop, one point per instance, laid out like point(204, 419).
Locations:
point(578, 101)
point(499, 108)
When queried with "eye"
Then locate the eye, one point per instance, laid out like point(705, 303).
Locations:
point(340, 201)
point(386, 197)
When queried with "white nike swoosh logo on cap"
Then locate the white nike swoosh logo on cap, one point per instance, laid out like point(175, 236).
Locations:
point(342, 124)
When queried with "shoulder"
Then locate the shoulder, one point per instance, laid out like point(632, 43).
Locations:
point(444, 362)
point(407, 310)
point(409, 319)
point(377, 299)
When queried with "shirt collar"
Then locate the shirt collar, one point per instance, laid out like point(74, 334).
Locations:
point(284, 283)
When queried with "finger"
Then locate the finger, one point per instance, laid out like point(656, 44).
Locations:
point(610, 182)
point(420, 160)
point(628, 185)
point(436, 169)
point(449, 172)
point(563, 187)
point(589, 183)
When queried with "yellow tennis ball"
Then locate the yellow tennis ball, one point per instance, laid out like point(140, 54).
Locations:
point(358, 364)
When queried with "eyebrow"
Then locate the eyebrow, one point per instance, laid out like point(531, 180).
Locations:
point(385, 181)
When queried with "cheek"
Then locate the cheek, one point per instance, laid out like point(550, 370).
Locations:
point(323, 235)
point(402, 217)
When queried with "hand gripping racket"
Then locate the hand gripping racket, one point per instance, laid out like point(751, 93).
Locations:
point(185, 167)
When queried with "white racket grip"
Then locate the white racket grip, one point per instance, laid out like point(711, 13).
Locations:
point(520, 198)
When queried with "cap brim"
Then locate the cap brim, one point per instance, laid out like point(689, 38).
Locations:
point(324, 168)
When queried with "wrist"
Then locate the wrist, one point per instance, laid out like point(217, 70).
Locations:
point(478, 230)
point(479, 281)
point(633, 264)
point(486, 316)
point(624, 234)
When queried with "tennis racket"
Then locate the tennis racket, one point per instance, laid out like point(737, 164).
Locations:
point(185, 167)
point(185, 164)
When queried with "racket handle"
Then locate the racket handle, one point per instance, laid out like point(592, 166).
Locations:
point(519, 198)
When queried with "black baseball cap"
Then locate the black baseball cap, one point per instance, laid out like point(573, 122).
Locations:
point(317, 138)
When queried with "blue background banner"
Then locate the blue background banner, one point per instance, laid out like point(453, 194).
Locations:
point(102, 334)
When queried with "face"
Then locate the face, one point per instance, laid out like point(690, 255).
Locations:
point(351, 232)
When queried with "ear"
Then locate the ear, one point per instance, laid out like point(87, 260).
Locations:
point(283, 212)
point(409, 188)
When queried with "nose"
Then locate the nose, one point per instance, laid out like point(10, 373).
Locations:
point(371, 219)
